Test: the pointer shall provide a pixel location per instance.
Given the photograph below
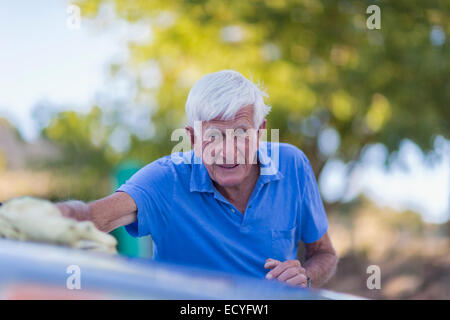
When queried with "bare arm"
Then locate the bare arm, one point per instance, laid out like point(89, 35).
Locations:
point(109, 213)
point(321, 260)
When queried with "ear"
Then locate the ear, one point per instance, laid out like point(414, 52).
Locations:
point(263, 124)
point(190, 134)
point(262, 127)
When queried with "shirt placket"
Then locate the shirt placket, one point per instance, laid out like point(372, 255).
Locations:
point(232, 210)
point(247, 216)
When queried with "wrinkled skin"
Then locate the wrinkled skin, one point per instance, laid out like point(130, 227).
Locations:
point(231, 162)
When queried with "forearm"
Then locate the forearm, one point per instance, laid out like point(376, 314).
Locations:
point(320, 268)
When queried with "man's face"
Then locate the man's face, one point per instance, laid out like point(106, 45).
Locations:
point(229, 147)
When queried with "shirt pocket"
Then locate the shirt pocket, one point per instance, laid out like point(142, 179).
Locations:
point(284, 244)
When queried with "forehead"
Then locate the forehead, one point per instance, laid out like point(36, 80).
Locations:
point(243, 116)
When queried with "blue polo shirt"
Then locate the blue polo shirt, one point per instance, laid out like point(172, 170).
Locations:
point(191, 223)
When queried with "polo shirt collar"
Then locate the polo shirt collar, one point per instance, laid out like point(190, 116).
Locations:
point(201, 181)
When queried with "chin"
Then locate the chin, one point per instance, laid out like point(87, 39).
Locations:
point(226, 182)
point(228, 179)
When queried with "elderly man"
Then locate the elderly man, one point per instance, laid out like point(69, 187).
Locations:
point(234, 205)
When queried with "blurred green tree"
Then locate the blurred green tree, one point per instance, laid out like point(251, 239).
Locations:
point(321, 66)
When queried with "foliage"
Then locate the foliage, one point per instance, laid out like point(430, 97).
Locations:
point(83, 138)
point(320, 64)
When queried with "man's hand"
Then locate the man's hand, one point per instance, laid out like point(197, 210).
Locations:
point(290, 271)
point(74, 209)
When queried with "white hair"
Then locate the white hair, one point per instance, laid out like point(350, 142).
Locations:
point(224, 93)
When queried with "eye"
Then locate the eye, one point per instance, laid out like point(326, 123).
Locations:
point(239, 132)
point(212, 134)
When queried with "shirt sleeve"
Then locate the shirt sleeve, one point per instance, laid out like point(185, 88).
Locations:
point(150, 188)
point(313, 220)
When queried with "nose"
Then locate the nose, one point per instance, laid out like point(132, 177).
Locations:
point(229, 151)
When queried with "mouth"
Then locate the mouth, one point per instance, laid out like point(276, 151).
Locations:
point(227, 166)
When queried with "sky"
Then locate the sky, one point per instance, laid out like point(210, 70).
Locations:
point(412, 181)
point(42, 59)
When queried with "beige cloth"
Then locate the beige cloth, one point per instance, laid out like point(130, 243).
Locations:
point(30, 219)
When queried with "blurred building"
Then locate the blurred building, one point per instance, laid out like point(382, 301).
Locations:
point(16, 154)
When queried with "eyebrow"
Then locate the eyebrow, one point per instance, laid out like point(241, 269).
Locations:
point(241, 125)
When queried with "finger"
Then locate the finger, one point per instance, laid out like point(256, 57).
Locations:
point(63, 209)
point(288, 274)
point(275, 272)
point(299, 281)
point(271, 263)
